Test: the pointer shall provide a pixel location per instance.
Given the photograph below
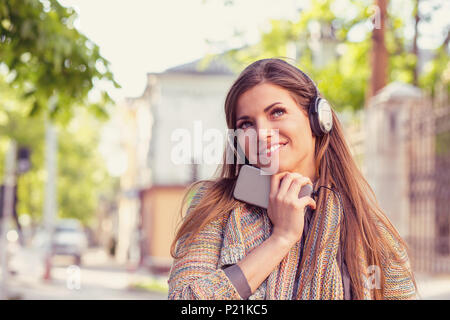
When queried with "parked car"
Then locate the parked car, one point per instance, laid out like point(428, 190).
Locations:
point(69, 239)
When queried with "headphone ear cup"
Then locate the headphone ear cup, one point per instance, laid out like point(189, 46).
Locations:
point(324, 116)
point(314, 117)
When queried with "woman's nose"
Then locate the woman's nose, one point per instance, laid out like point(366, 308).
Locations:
point(266, 133)
point(263, 128)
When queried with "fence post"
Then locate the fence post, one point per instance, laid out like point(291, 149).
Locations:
point(386, 150)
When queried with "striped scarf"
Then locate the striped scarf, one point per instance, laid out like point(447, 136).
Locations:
point(247, 226)
point(322, 279)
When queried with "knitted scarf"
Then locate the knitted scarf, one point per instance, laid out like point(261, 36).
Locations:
point(322, 279)
point(248, 226)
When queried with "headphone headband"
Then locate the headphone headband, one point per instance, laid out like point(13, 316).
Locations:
point(320, 116)
point(310, 80)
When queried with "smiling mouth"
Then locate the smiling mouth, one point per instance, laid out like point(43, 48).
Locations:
point(268, 152)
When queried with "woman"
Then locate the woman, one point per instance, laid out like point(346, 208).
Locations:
point(345, 249)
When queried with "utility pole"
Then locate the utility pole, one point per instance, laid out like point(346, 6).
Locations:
point(379, 54)
point(415, 47)
point(51, 148)
point(7, 204)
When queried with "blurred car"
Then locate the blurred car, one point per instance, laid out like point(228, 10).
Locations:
point(69, 239)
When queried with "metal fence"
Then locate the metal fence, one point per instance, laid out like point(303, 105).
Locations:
point(429, 186)
point(426, 136)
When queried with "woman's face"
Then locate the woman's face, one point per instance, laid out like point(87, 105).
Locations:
point(260, 112)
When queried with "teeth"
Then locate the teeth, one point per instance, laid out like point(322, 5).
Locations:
point(273, 148)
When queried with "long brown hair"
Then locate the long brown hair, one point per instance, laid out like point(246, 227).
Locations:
point(334, 166)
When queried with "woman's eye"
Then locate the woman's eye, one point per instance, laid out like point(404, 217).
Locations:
point(241, 126)
point(277, 110)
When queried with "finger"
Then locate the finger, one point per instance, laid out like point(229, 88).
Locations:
point(302, 176)
point(298, 175)
point(297, 183)
point(285, 184)
point(275, 183)
point(307, 202)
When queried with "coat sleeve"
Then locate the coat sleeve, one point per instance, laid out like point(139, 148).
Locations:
point(399, 283)
point(196, 276)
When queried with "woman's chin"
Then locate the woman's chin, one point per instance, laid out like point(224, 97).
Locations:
point(273, 166)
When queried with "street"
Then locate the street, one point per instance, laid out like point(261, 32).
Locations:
point(98, 278)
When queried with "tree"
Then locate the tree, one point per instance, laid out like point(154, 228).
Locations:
point(82, 176)
point(346, 34)
point(48, 60)
point(379, 55)
point(343, 75)
point(47, 70)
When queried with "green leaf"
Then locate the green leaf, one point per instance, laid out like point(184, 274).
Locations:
point(35, 109)
point(48, 37)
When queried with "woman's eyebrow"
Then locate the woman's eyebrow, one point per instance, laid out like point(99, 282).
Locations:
point(265, 110)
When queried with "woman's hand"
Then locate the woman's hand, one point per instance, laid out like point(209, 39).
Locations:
point(286, 210)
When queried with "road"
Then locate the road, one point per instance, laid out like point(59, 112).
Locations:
point(98, 278)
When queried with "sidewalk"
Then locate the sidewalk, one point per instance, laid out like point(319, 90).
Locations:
point(98, 278)
point(433, 287)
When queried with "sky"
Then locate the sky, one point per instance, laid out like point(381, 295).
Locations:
point(141, 36)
